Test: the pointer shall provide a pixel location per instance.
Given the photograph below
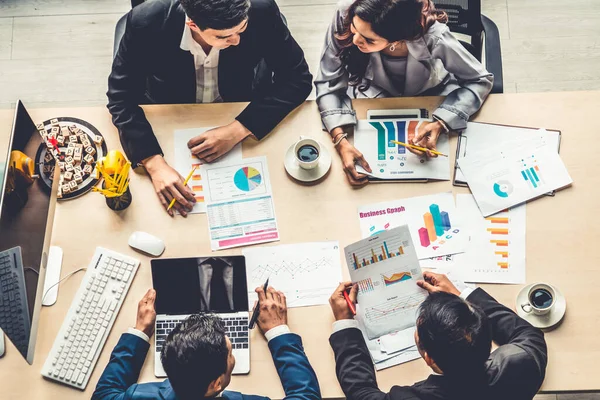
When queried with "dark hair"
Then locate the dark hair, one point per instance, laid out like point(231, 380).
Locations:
point(455, 334)
point(393, 20)
point(216, 14)
point(195, 354)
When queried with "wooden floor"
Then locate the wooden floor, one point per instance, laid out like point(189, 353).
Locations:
point(52, 54)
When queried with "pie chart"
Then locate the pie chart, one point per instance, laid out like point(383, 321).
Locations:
point(247, 179)
point(503, 188)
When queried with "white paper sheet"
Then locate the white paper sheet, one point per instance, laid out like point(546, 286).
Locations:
point(239, 203)
point(480, 137)
point(307, 273)
point(184, 161)
point(497, 249)
point(392, 161)
point(386, 269)
point(431, 239)
point(398, 341)
point(509, 176)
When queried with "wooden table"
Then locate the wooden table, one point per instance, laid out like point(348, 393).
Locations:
point(562, 232)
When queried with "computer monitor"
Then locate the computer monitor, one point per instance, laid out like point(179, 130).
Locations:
point(26, 216)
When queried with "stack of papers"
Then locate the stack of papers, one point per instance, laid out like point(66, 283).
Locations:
point(513, 173)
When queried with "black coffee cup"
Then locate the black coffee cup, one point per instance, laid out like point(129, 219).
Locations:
point(541, 299)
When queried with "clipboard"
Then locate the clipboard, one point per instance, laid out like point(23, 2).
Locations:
point(463, 140)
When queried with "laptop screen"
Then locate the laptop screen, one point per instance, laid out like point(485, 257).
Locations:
point(190, 285)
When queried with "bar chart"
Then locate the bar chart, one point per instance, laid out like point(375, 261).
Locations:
point(365, 286)
point(436, 224)
point(373, 255)
point(531, 172)
point(402, 131)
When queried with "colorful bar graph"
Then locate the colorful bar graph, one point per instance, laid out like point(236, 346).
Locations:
point(429, 224)
point(385, 249)
point(356, 264)
point(496, 220)
point(381, 142)
point(498, 231)
point(366, 285)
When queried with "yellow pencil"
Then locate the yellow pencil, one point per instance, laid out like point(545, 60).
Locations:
point(412, 146)
point(184, 183)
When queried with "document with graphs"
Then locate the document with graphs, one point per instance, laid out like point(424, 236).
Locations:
point(386, 268)
point(307, 273)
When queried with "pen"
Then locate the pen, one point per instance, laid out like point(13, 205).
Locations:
point(257, 308)
point(184, 183)
point(349, 303)
point(412, 146)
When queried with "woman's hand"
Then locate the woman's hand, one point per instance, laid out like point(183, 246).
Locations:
point(427, 137)
point(350, 156)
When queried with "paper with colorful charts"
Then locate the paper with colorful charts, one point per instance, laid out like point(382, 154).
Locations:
point(435, 225)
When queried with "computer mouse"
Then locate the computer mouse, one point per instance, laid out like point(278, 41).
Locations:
point(1, 343)
point(146, 243)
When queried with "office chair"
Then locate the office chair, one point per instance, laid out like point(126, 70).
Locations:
point(464, 17)
point(263, 76)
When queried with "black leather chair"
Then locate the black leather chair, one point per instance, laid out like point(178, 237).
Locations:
point(464, 17)
point(263, 76)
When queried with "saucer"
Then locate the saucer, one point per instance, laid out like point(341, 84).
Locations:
point(307, 175)
point(548, 321)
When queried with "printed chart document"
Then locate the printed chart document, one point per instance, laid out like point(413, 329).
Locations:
point(306, 272)
point(184, 161)
point(481, 137)
point(386, 269)
point(509, 176)
point(390, 161)
point(496, 251)
point(239, 203)
point(434, 223)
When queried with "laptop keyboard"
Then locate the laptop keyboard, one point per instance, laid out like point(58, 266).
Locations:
point(236, 330)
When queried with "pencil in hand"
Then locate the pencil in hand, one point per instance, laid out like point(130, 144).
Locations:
point(412, 146)
point(172, 203)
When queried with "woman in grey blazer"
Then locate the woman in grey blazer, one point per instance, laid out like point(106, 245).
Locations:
point(392, 48)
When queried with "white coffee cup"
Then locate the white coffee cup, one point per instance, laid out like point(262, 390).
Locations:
point(307, 152)
point(541, 298)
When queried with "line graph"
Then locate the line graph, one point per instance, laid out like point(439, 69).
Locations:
point(307, 273)
point(395, 306)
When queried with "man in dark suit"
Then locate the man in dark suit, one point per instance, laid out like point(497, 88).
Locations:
point(203, 51)
point(198, 359)
point(454, 336)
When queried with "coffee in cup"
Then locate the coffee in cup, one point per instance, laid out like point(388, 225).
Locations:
point(307, 153)
point(541, 299)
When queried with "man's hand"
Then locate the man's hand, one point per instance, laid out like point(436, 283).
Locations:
point(427, 137)
point(434, 283)
point(273, 309)
point(338, 303)
point(168, 184)
point(146, 315)
point(350, 156)
point(215, 143)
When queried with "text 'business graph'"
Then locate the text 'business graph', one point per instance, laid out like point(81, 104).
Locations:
point(395, 306)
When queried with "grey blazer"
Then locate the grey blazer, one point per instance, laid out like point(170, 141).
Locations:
point(437, 64)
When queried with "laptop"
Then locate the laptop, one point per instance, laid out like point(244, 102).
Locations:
point(186, 286)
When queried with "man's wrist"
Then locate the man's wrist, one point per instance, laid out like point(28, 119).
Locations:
point(148, 330)
point(139, 333)
point(277, 331)
point(241, 132)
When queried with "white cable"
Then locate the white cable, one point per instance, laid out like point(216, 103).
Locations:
point(62, 279)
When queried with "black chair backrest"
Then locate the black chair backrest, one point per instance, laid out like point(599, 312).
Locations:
point(136, 3)
point(464, 17)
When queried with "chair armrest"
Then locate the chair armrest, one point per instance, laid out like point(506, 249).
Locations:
point(493, 53)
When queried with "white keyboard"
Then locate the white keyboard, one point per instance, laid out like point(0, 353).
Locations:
point(90, 318)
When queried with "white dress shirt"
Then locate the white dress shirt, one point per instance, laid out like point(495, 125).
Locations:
point(207, 68)
point(352, 323)
point(269, 335)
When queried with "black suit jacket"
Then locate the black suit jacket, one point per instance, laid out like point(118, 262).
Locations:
point(515, 371)
point(150, 67)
